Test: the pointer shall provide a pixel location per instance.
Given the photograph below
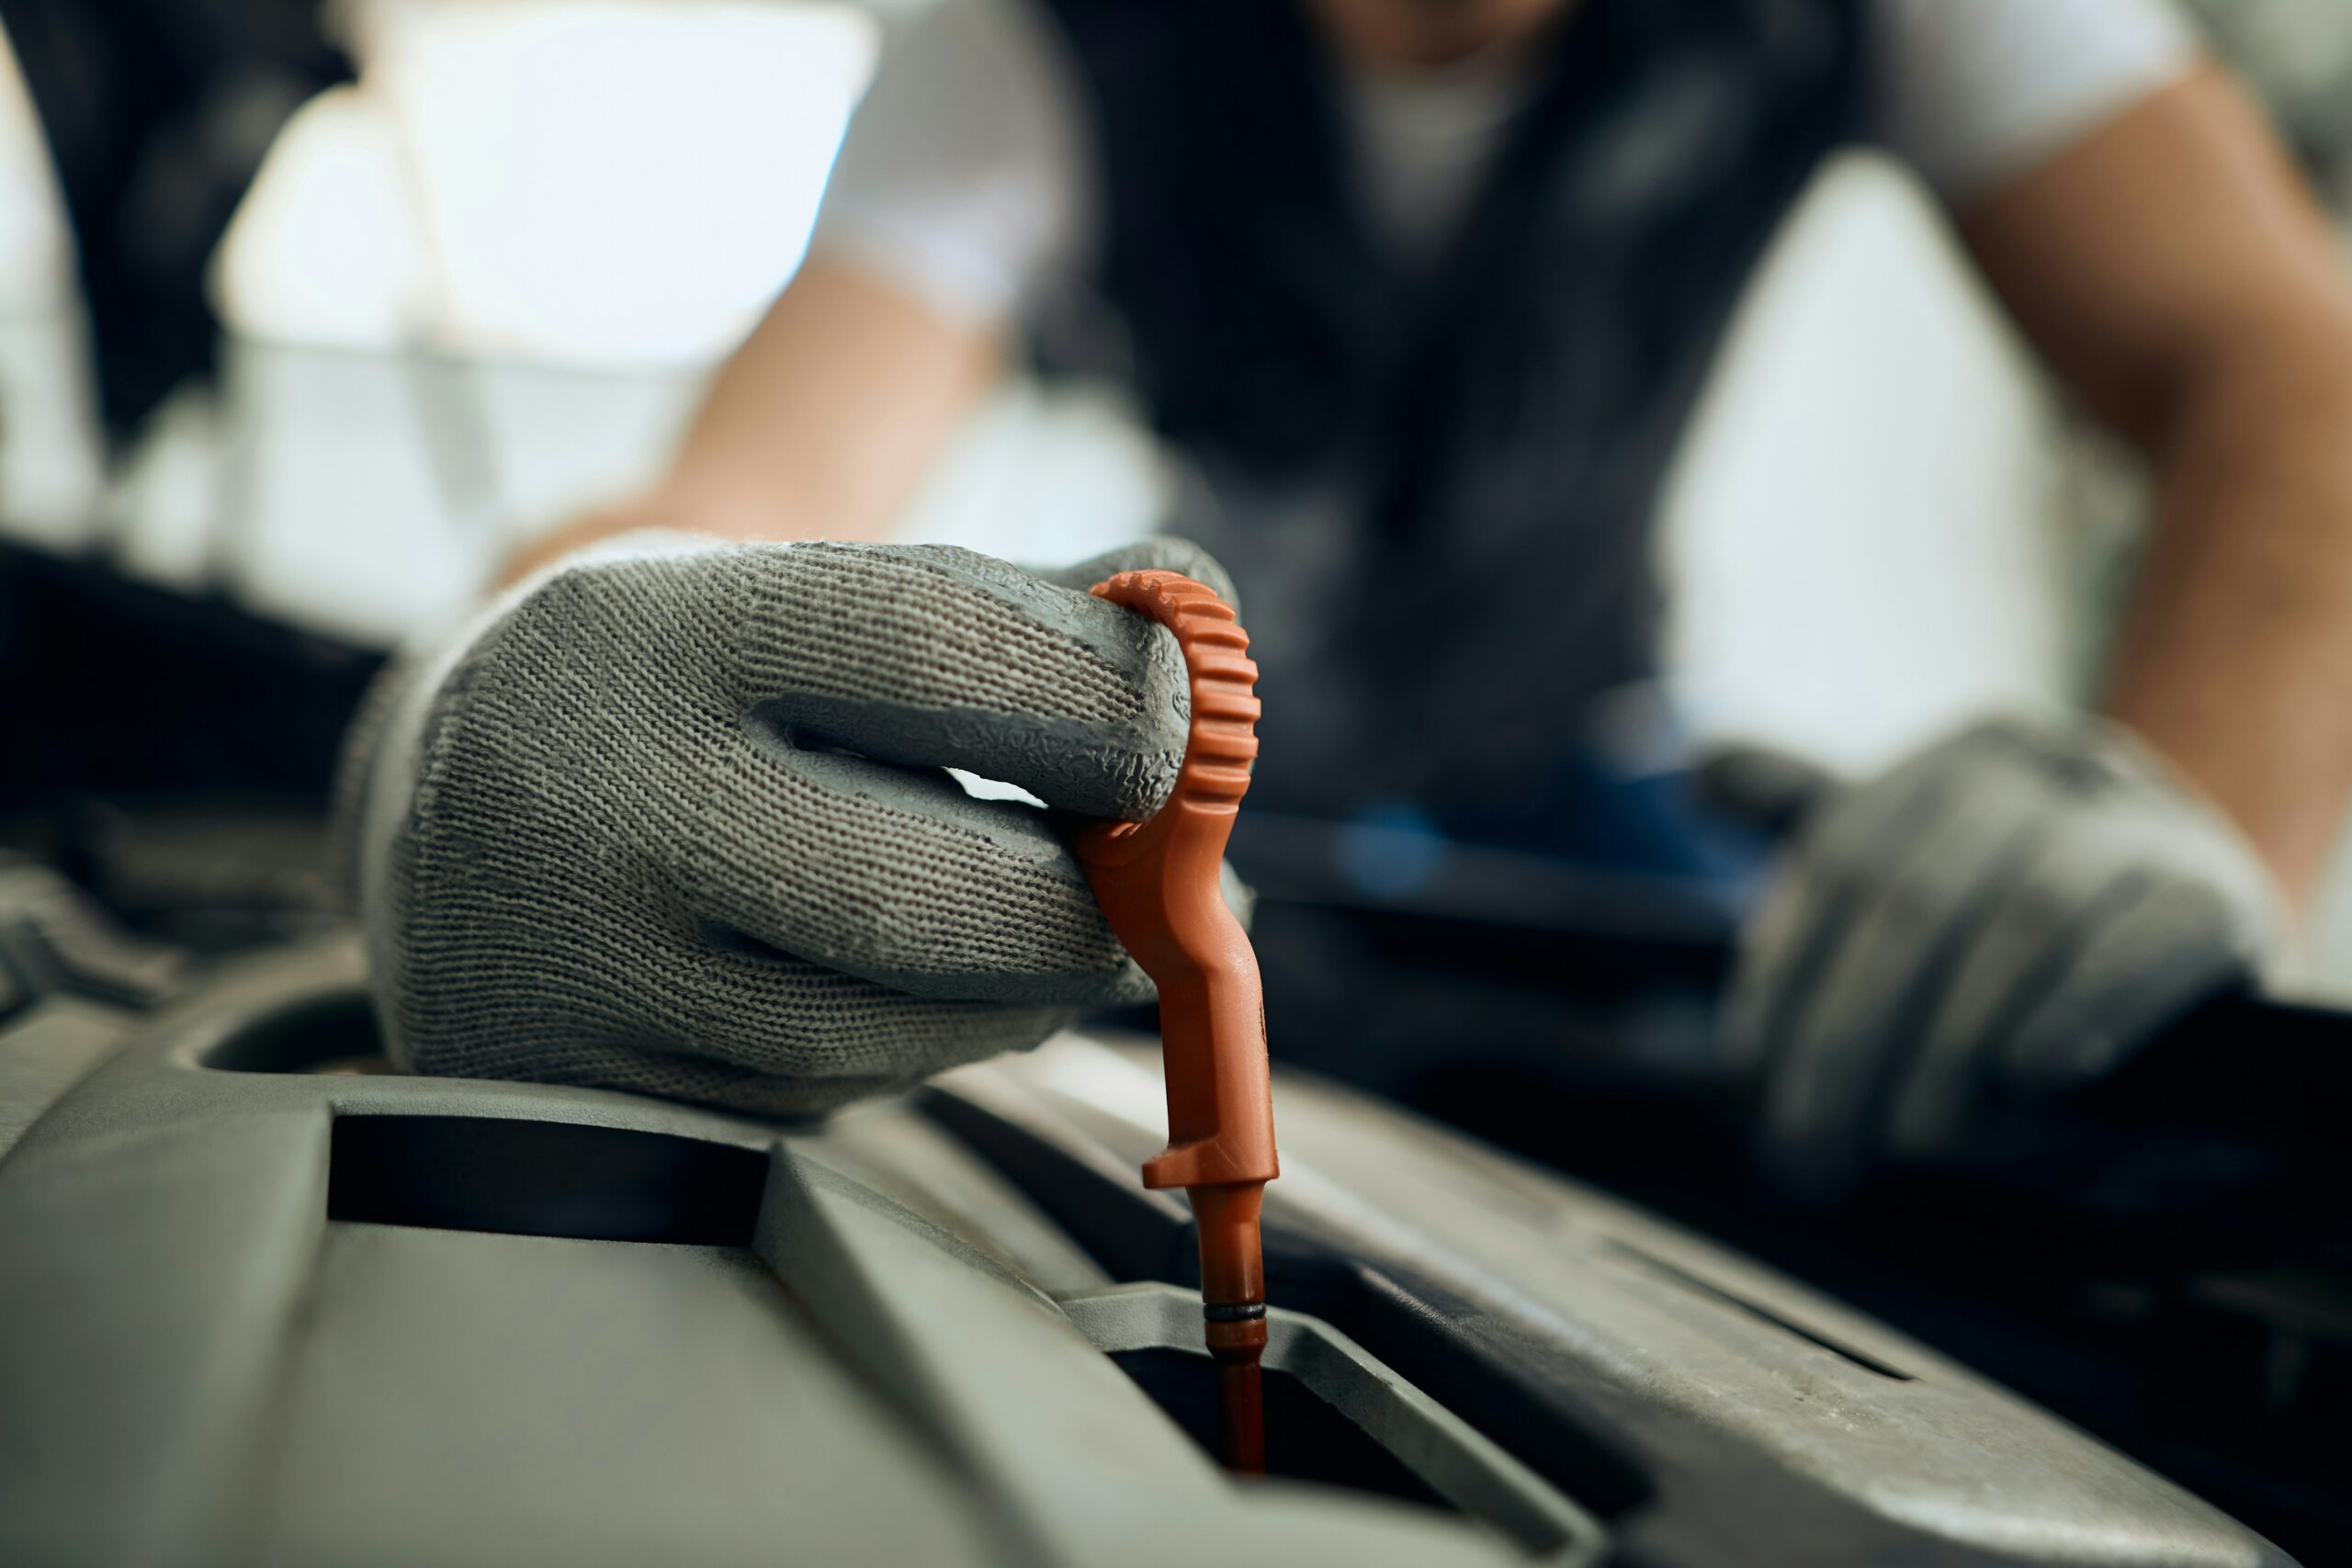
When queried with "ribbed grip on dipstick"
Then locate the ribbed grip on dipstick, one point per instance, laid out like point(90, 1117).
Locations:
point(1158, 882)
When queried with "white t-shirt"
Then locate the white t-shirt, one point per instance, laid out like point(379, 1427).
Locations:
point(963, 177)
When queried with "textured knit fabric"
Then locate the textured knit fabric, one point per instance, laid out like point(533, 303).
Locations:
point(680, 824)
point(2007, 915)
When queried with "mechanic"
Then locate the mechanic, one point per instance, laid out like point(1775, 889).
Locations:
point(1424, 289)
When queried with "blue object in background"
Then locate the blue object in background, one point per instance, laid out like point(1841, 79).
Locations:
point(1391, 850)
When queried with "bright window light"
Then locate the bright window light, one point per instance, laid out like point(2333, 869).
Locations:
point(610, 183)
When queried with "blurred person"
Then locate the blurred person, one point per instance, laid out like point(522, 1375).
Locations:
point(1424, 289)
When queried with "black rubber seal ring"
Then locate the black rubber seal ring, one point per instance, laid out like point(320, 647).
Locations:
point(1241, 1312)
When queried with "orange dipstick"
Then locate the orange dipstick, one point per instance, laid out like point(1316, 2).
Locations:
point(1157, 881)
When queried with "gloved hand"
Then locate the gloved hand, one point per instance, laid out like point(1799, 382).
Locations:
point(2008, 914)
point(673, 817)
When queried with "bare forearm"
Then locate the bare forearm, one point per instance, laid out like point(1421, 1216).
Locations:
point(2235, 658)
point(2175, 270)
point(820, 427)
point(826, 418)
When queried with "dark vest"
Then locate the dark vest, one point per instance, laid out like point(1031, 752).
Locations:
point(1501, 425)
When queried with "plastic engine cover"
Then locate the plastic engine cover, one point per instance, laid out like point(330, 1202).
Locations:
point(261, 1305)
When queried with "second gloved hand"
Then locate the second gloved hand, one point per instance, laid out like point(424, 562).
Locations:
point(676, 819)
point(2008, 914)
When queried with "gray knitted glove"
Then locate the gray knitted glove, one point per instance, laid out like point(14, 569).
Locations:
point(2010, 913)
point(674, 819)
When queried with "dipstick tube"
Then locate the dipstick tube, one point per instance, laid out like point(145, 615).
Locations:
point(1157, 883)
point(1233, 1315)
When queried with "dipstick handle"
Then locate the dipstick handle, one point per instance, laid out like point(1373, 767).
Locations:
point(1158, 882)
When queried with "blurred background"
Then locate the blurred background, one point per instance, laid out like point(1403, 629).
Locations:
point(311, 311)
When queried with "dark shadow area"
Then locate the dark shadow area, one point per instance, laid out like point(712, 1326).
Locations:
point(335, 1031)
point(1305, 1438)
point(553, 1178)
point(229, 706)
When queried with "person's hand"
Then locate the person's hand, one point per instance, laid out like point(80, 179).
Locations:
point(2007, 915)
point(673, 817)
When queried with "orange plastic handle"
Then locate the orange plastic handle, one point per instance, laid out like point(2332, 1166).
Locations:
point(1157, 883)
